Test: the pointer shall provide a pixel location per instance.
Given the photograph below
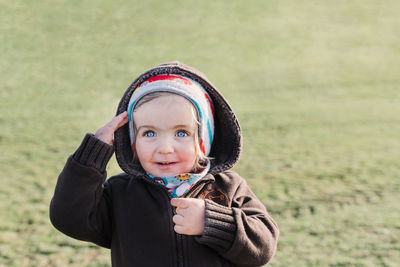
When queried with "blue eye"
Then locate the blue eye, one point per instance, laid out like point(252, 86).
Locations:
point(149, 134)
point(181, 133)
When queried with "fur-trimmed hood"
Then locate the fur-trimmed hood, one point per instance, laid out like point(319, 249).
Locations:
point(227, 143)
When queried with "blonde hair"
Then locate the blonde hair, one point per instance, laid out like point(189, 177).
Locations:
point(201, 158)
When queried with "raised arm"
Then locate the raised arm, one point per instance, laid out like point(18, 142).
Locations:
point(80, 207)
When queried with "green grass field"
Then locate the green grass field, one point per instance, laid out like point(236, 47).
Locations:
point(315, 85)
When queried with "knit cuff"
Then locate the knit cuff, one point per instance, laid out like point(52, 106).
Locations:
point(220, 227)
point(93, 153)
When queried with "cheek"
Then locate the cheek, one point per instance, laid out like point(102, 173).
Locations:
point(190, 153)
point(142, 151)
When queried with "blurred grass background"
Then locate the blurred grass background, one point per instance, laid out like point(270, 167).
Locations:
point(315, 85)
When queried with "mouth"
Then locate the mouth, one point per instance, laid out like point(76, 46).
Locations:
point(165, 163)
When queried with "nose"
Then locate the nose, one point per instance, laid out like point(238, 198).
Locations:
point(165, 145)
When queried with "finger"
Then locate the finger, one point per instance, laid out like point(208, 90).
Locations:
point(180, 203)
point(178, 219)
point(181, 211)
point(124, 119)
point(179, 229)
point(118, 121)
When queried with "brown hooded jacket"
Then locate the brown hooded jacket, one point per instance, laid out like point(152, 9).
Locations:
point(131, 214)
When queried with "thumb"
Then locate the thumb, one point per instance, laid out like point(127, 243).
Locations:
point(180, 203)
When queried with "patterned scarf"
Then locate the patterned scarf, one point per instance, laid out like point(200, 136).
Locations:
point(178, 185)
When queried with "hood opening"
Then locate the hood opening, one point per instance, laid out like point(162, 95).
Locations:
point(227, 143)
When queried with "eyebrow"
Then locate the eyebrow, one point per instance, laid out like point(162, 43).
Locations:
point(145, 126)
point(185, 126)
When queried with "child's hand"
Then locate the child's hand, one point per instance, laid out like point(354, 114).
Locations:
point(106, 133)
point(190, 215)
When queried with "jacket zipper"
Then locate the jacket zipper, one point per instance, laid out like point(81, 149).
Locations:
point(178, 237)
point(179, 240)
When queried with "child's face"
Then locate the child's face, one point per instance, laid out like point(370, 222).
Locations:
point(165, 131)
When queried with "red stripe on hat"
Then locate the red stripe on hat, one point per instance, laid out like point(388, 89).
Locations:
point(209, 102)
point(202, 146)
point(168, 78)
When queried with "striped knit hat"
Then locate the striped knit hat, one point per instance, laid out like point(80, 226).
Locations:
point(187, 88)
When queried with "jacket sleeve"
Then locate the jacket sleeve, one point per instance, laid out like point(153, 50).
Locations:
point(80, 207)
point(245, 234)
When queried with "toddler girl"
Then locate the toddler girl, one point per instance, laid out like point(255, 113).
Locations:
point(177, 203)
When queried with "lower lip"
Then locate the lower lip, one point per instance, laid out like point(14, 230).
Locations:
point(166, 166)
